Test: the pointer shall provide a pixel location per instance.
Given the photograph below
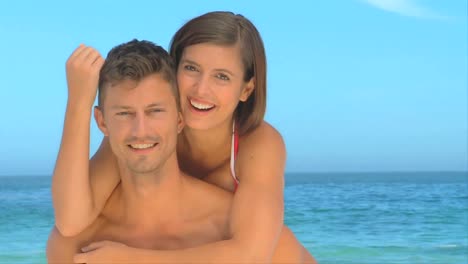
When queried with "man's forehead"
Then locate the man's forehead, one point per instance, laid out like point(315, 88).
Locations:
point(147, 87)
point(150, 105)
point(138, 101)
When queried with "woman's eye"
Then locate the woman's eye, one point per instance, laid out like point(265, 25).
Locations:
point(222, 76)
point(190, 68)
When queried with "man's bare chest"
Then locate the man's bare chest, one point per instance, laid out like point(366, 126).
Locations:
point(165, 238)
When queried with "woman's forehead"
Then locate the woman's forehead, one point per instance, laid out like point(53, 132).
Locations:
point(214, 56)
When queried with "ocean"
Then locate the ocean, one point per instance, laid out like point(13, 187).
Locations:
point(345, 218)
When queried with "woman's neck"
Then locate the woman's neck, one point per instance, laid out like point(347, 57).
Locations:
point(205, 149)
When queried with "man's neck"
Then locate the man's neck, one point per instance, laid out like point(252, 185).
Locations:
point(153, 199)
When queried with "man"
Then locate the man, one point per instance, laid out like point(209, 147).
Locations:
point(156, 206)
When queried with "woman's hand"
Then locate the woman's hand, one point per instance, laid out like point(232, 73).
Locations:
point(83, 68)
point(103, 252)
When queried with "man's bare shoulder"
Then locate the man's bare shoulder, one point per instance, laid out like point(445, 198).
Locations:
point(209, 199)
point(202, 189)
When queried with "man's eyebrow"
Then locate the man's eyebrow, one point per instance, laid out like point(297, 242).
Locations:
point(125, 107)
point(198, 65)
point(157, 104)
point(120, 107)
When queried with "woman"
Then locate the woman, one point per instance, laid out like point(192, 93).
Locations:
point(221, 74)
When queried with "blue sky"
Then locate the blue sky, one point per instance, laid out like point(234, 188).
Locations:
point(353, 85)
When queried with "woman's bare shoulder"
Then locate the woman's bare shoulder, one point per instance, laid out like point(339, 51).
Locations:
point(264, 137)
point(262, 155)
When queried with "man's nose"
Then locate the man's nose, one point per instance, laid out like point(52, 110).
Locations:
point(140, 125)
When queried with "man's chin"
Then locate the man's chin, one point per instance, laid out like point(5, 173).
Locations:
point(141, 168)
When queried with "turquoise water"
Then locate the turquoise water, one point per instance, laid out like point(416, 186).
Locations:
point(341, 218)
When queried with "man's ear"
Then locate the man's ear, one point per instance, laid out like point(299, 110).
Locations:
point(99, 117)
point(180, 122)
point(247, 91)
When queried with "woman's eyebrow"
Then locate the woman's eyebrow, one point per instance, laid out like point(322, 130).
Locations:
point(189, 61)
point(225, 70)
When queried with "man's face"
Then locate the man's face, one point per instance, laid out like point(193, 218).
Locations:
point(142, 123)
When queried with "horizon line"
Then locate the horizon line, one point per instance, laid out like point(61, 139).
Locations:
point(305, 172)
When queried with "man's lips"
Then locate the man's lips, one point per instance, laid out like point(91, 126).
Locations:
point(142, 148)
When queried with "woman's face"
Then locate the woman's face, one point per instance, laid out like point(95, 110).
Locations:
point(211, 83)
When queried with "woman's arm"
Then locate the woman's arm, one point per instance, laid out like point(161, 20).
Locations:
point(256, 219)
point(258, 204)
point(60, 249)
point(75, 180)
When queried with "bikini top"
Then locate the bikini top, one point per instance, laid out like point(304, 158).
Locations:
point(234, 150)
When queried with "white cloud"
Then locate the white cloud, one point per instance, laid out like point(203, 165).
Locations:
point(404, 7)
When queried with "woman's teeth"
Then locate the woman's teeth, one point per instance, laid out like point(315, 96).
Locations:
point(142, 146)
point(201, 106)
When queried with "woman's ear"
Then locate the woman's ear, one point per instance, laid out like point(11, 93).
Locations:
point(99, 117)
point(247, 90)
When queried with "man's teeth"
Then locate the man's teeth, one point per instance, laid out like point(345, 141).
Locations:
point(142, 146)
point(201, 106)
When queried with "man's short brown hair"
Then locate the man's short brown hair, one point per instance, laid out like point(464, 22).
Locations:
point(136, 60)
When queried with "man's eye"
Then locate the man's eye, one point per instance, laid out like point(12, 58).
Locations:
point(123, 113)
point(190, 68)
point(222, 76)
point(157, 110)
